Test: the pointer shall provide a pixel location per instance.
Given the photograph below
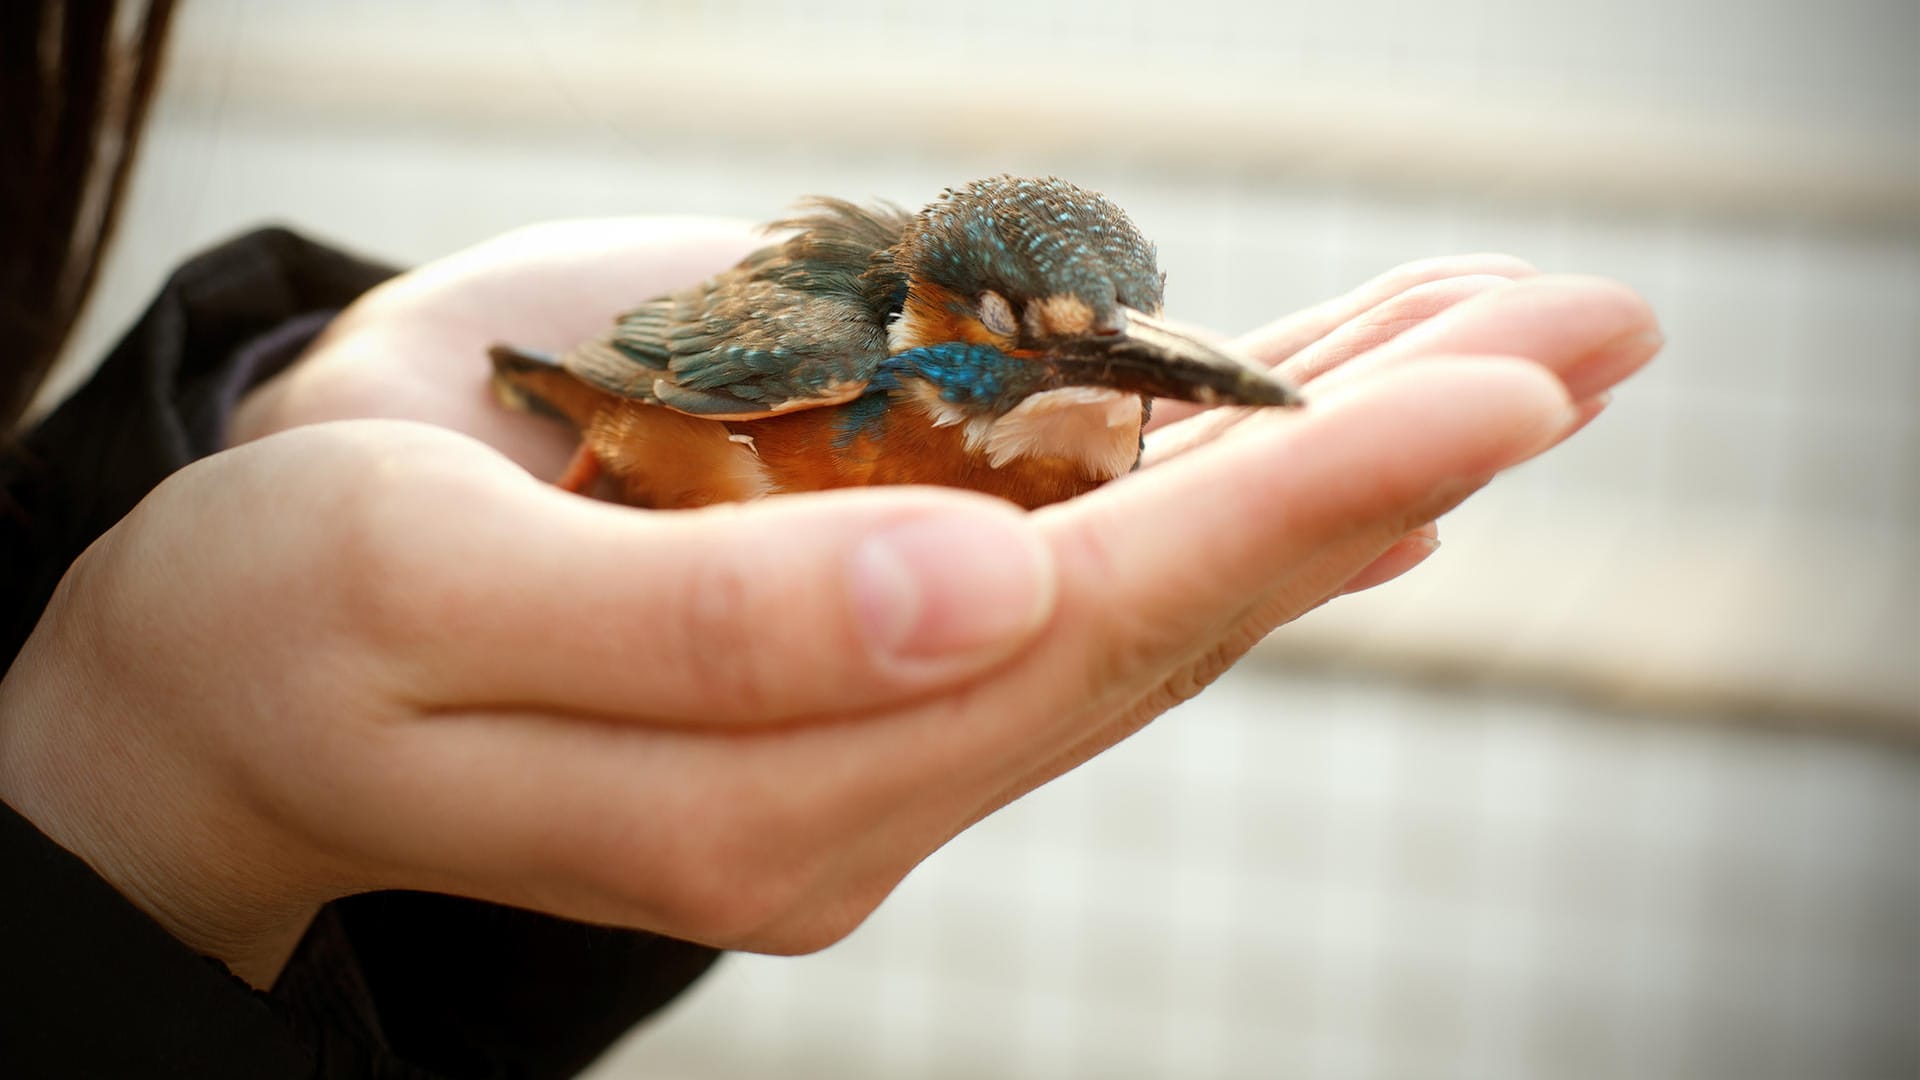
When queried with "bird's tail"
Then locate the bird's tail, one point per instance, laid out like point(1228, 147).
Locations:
point(535, 382)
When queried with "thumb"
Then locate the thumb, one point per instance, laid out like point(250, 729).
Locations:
point(796, 606)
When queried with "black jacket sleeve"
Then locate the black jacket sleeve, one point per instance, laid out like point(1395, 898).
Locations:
point(387, 984)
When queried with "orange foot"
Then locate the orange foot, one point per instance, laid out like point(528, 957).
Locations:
point(582, 472)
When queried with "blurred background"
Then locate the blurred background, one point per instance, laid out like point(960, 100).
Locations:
point(1623, 783)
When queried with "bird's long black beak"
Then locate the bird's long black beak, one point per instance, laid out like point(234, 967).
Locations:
point(1148, 355)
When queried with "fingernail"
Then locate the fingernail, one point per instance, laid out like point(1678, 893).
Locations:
point(950, 585)
point(1552, 428)
point(1614, 362)
point(1409, 552)
point(1593, 406)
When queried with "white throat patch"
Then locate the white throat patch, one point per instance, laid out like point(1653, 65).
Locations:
point(905, 332)
point(1097, 428)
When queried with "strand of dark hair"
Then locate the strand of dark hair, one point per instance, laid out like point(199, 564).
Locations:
point(73, 102)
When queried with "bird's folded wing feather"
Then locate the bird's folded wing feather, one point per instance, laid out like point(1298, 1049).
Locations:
point(737, 347)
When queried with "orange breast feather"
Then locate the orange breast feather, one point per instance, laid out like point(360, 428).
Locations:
point(799, 454)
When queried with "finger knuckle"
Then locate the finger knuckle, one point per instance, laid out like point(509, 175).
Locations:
point(377, 574)
point(715, 615)
point(742, 873)
point(1187, 681)
point(760, 869)
point(728, 913)
point(814, 929)
point(1133, 643)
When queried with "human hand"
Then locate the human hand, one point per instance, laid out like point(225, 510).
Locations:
point(415, 348)
point(410, 349)
point(712, 724)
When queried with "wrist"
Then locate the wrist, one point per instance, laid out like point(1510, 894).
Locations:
point(80, 759)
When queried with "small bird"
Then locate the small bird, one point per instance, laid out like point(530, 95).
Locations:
point(1007, 338)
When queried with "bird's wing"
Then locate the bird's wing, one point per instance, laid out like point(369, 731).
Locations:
point(736, 349)
point(797, 325)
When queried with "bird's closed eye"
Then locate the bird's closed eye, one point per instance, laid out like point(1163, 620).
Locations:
point(997, 315)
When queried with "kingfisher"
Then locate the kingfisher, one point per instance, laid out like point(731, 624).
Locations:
point(1008, 338)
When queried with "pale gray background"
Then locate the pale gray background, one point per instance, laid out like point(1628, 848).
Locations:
point(1621, 784)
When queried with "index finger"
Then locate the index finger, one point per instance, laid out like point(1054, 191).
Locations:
point(1278, 341)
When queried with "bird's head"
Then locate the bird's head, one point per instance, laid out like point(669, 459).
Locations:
point(1056, 277)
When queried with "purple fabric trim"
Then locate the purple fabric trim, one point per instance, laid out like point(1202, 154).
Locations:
point(263, 357)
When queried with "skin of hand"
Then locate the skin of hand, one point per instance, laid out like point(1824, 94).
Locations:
point(357, 654)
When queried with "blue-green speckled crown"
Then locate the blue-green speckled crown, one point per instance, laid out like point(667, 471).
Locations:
point(1030, 238)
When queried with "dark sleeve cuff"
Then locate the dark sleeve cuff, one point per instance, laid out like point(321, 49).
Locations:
point(93, 987)
point(160, 401)
point(467, 988)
